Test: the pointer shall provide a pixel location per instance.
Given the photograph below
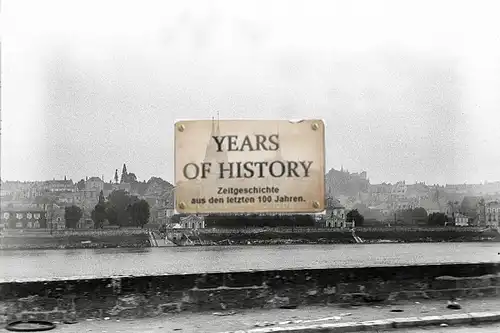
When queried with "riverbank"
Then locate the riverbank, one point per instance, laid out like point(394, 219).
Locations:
point(284, 236)
point(139, 238)
point(75, 239)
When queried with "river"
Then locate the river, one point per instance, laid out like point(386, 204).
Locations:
point(25, 265)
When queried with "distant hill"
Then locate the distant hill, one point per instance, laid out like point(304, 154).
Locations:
point(157, 186)
point(342, 182)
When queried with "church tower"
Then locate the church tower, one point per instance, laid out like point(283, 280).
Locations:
point(124, 178)
point(211, 153)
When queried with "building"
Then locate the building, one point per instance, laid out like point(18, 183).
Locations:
point(452, 207)
point(335, 214)
point(336, 217)
point(85, 223)
point(57, 186)
point(84, 198)
point(417, 191)
point(55, 217)
point(122, 187)
point(458, 188)
point(461, 220)
point(94, 183)
point(16, 190)
point(492, 210)
point(192, 222)
point(22, 218)
point(383, 208)
point(164, 214)
point(488, 188)
point(402, 204)
point(107, 189)
point(398, 191)
point(432, 206)
point(380, 192)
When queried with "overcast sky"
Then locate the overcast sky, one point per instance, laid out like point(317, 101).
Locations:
point(409, 90)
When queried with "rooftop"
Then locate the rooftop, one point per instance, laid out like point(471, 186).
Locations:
point(95, 179)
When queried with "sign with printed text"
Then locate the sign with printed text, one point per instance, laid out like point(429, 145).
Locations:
point(249, 166)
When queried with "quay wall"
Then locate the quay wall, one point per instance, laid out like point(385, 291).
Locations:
point(74, 239)
point(130, 237)
point(344, 236)
point(144, 296)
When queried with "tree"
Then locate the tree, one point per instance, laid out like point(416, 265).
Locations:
point(469, 206)
point(118, 203)
point(139, 212)
point(437, 219)
point(111, 215)
point(116, 176)
point(355, 216)
point(72, 215)
point(99, 212)
point(132, 178)
point(361, 208)
point(99, 216)
point(419, 215)
point(45, 200)
point(101, 198)
point(80, 185)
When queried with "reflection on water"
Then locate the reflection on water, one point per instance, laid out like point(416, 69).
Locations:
point(47, 264)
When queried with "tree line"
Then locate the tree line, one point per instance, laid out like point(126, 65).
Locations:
point(417, 216)
point(255, 221)
point(119, 209)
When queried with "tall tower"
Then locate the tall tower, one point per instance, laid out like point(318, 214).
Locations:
point(211, 153)
point(124, 178)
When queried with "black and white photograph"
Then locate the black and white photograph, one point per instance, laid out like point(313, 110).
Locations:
point(250, 166)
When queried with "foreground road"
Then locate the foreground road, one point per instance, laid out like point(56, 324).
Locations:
point(491, 328)
point(213, 322)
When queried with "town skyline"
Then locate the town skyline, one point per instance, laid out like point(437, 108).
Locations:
point(111, 179)
point(418, 102)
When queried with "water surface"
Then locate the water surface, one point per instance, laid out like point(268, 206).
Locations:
point(89, 263)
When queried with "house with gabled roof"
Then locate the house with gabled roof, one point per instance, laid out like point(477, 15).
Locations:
point(192, 222)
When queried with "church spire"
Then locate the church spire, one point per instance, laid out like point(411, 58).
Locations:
point(124, 178)
point(211, 152)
